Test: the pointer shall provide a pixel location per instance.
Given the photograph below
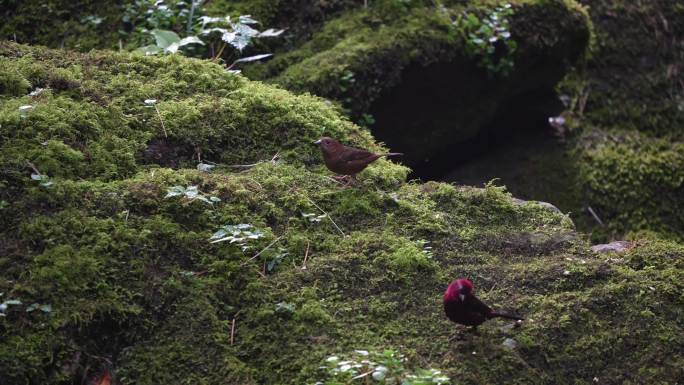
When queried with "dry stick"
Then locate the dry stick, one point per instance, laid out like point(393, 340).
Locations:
point(273, 160)
point(591, 211)
point(232, 328)
point(161, 120)
point(218, 55)
point(327, 215)
point(33, 166)
point(583, 101)
point(264, 249)
point(260, 273)
point(306, 255)
point(232, 332)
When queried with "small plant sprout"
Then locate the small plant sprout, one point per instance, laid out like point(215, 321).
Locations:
point(423, 244)
point(38, 176)
point(5, 305)
point(276, 259)
point(153, 103)
point(240, 235)
point(204, 167)
point(489, 39)
point(190, 193)
point(24, 110)
point(387, 367)
point(208, 37)
point(285, 307)
point(313, 218)
point(37, 306)
point(37, 91)
point(43, 179)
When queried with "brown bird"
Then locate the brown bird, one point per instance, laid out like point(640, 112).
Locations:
point(346, 160)
point(462, 307)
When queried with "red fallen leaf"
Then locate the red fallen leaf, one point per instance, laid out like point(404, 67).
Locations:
point(105, 379)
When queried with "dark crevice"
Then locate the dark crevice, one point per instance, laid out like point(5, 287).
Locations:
point(443, 116)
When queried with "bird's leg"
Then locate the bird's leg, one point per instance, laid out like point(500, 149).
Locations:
point(458, 336)
point(475, 331)
point(340, 177)
point(351, 180)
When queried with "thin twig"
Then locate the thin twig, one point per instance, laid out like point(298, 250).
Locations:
point(161, 120)
point(264, 249)
point(273, 160)
point(591, 211)
point(327, 215)
point(33, 166)
point(232, 332)
point(232, 328)
point(218, 55)
point(259, 272)
point(306, 255)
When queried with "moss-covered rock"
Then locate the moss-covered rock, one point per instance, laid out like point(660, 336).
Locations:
point(635, 183)
point(79, 25)
point(627, 104)
point(410, 73)
point(125, 278)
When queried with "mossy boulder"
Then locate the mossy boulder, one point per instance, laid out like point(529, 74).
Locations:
point(407, 70)
point(636, 183)
point(114, 273)
point(81, 25)
point(626, 106)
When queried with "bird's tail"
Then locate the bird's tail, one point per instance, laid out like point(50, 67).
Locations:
point(495, 314)
point(393, 154)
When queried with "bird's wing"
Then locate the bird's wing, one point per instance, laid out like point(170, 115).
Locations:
point(354, 154)
point(476, 305)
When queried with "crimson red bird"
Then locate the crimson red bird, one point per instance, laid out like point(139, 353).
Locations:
point(461, 305)
point(346, 160)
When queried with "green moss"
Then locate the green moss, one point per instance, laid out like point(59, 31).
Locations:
point(59, 23)
point(627, 104)
point(635, 182)
point(135, 284)
point(12, 83)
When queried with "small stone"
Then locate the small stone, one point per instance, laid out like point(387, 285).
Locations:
point(617, 247)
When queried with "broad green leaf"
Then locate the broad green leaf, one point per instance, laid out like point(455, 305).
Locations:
point(245, 30)
point(190, 40)
point(149, 50)
point(165, 38)
point(173, 48)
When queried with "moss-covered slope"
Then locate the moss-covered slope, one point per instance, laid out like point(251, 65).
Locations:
point(125, 278)
point(629, 109)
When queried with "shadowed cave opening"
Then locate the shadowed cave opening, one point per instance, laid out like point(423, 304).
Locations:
point(465, 127)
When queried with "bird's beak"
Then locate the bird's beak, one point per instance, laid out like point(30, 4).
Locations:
point(462, 297)
point(317, 142)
